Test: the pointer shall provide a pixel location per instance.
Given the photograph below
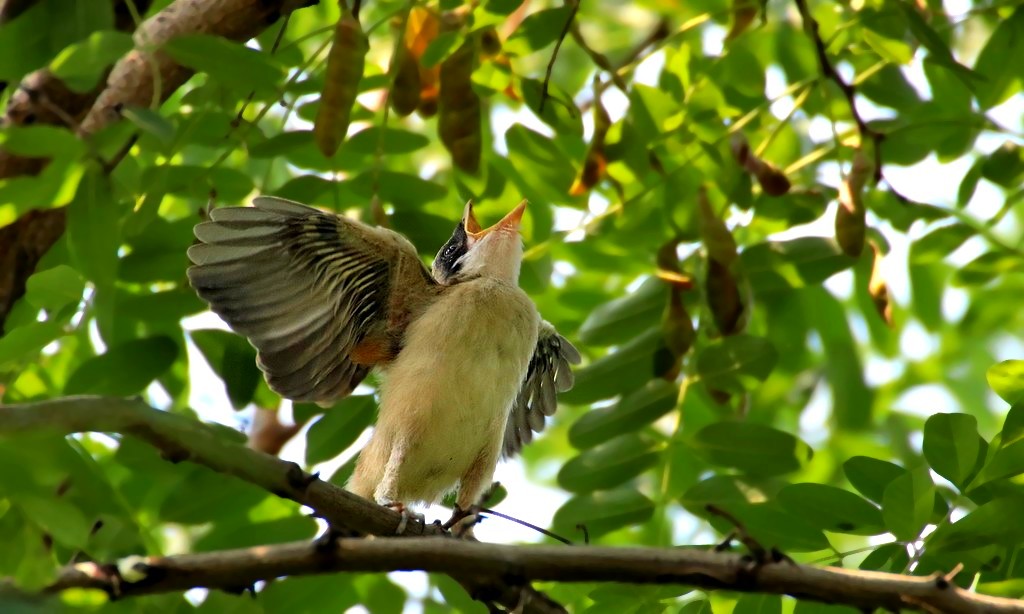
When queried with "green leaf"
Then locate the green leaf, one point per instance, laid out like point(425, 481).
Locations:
point(936, 46)
point(890, 557)
point(233, 359)
point(907, 503)
point(81, 65)
point(776, 528)
point(1002, 75)
point(996, 522)
point(736, 363)
point(339, 427)
point(538, 30)
point(124, 369)
point(783, 265)
point(389, 141)
point(282, 144)
point(871, 476)
point(93, 232)
point(752, 448)
point(619, 372)
point(634, 411)
point(203, 495)
point(27, 340)
point(230, 64)
point(625, 317)
point(832, 509)
point(951, 445)
point(151, 122)
point(1013, 425)
point(1007, 462)
point(939, 243)
point(57, 517)
point(401, 189)
point(1007, 380)
point(54, 288)
point(40, 141)
point(610, 463)
point(758, 604)
point(603, 512)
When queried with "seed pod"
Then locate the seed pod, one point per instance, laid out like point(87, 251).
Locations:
point(772, 180)
point(422, 27)
point(679, 331)
point(405, 92)
point(742, 14)
point(595, 163)
point(490, 43)
point(851, 226)
point(717, 239)
point(345, 65)
point(724, 299)
point(459, 108)
point(877, 288)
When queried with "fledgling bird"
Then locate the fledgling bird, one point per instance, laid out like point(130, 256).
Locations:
point(470, 370)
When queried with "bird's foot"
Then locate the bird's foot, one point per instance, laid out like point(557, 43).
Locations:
point(462, 521)
point(406, 514)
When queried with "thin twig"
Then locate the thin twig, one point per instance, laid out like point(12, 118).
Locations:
point(849, 91)
point(573, 9)
point(528, 525)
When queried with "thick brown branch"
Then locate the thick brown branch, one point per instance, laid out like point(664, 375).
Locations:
point(44, 99)
point(849, 91)
point(180, 438)
point(234, 569)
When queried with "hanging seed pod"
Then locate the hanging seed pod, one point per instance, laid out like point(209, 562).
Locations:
point(772, 180)
point(724, 299)
point(742, 14)
point(422, 27)
point(459, 108)
point(878, 289)
point(679, 332)
point(851, 226)
point(345, 65)
point(721, 285)
point(405, 91)
point(595, 163)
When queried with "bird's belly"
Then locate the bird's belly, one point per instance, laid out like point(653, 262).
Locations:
point(447, 396)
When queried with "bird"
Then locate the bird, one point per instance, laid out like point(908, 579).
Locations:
point(469, 369)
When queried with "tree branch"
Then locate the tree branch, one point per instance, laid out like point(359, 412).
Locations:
point(235, 569)
point(180, 438)
point(490, 572)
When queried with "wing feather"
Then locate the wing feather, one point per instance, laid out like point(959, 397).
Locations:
point(548, 374)
point(305, 287)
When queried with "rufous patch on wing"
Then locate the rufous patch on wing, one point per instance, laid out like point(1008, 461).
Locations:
point(372, 351)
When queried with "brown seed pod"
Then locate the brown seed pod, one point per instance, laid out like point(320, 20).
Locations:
point(459, 110)
point(724, 299)
point(405, 91)
point(851, 226)
point(595, 163)
point(345, 65)
point(772, 180)
point(878, 289)
point(422, 27)
point(717, 239)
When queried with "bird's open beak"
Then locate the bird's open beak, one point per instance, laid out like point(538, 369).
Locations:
point(510, 221)
point(469, 222)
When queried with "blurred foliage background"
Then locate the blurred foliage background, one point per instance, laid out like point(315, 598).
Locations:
point(799, 312)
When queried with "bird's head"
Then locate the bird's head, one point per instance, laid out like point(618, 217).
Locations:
point(474, 251)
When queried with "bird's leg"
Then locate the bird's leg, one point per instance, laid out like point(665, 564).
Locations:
point(472, 487)
point(386, 493)
point(406, 514)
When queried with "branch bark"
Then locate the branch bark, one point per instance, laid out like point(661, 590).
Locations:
point(235, 569)
point(180, 438)
point(490, 572)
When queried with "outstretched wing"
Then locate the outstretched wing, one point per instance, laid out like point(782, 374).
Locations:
point(321, 297)
point(549, 373)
